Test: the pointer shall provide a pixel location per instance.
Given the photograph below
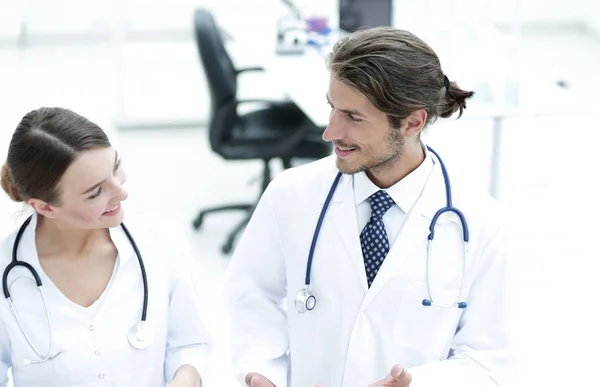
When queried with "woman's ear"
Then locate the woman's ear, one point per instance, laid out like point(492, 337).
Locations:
point(42, 208)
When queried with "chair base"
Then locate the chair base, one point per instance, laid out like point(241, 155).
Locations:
point(227, 246)
point(197, 223)
point(230, 240)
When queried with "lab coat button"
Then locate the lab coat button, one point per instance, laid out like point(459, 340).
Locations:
point(97, 353)
point(101, 376)
point(91, 328)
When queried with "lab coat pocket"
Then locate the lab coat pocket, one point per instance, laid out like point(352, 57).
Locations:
point(151, 357)
point(425, 332)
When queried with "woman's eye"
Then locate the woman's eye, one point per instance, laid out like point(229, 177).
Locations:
point(97, 193)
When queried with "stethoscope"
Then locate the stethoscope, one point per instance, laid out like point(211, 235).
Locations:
point(139, 336)
point(306, 300)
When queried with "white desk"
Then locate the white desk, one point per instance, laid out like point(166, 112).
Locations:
point(305, 80)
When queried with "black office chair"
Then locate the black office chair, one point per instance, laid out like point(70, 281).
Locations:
point(278, 131)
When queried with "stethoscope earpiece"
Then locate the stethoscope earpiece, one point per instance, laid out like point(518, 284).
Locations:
point(460, 305)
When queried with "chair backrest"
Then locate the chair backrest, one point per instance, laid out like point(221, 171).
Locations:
point(220, 75)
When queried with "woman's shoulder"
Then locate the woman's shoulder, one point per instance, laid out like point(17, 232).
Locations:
point(7, 240)
point(155, 231)
point(6, 246)
point(150, 224)
point(162, 242)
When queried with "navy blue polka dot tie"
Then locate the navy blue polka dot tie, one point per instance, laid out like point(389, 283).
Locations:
point(373, 238)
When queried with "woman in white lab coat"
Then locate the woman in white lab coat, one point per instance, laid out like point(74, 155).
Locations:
point(370, 326)
point(64, 168)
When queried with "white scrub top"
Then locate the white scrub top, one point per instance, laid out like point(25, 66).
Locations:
point(93, 341)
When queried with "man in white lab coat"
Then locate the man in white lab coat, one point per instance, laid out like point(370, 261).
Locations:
point(372, 323)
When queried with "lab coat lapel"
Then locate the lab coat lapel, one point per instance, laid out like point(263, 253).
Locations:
point(407, 254)
point(122, 243)
point(343, 213)
point(404, 254)
point(121, 284)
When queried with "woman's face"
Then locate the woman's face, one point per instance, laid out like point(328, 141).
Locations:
point(91, 191)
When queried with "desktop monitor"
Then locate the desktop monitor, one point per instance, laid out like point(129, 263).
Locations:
point(364, 13)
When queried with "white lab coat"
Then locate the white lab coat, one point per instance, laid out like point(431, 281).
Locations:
point(93, 340)
point(355, 334)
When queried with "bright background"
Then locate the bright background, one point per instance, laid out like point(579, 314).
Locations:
point(123, 63)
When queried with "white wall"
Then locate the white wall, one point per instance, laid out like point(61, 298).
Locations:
point(593, 17)
point(420, 15)
point(102, 18)
point(11, 17)
point(95, 17)
point(538, 11)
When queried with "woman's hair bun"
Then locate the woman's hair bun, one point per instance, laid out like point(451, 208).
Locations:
point(8, 185)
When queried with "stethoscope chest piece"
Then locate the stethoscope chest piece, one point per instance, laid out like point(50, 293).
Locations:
point(305, 300)
point(140, 336)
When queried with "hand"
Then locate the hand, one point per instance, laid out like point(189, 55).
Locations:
point(186, 376)
point(397, 377)
point(257, 380)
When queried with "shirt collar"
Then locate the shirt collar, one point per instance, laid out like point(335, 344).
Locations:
point(404, 193)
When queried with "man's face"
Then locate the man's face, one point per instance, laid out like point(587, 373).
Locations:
point(359, 131)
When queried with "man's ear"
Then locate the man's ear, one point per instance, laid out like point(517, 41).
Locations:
point(414, 123)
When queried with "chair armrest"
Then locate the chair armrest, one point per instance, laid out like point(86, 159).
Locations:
point(225, 35)
point(248, 69)
point(257, 100)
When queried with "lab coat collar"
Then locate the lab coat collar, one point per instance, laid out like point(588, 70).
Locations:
point(428, 201)
point(341, 193)
point(404, 193)
point(27, 251)
point(124, 246)
point(433, 197)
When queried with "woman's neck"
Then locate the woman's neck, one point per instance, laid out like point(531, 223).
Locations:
point(54, 237)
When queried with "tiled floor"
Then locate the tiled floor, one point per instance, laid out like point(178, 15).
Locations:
point(548, 181)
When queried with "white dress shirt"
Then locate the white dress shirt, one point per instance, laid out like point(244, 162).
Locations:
point(405, 194)
point(93, 341)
